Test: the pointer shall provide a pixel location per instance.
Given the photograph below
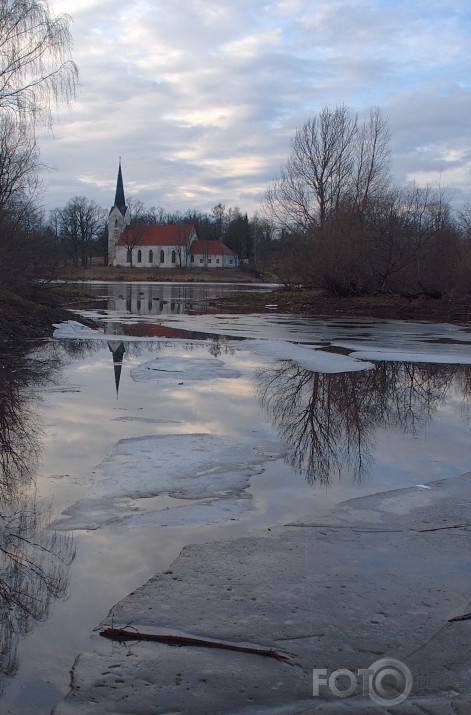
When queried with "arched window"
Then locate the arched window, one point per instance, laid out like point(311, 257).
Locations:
point(162, 257)
point(192, 258)
point(174, 256)
point(129, 256)
point(151, 256)
point(116, 223)
point(139, 256)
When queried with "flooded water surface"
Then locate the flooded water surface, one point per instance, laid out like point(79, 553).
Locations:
point(171, 424)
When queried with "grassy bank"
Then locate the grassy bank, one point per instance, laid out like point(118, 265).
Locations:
point(315, 303)
point(170, 275)
point(29, 316)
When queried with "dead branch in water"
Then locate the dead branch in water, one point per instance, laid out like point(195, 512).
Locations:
point(120, 634)
point(464, 617)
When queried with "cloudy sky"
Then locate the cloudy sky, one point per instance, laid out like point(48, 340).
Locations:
point(201, 98)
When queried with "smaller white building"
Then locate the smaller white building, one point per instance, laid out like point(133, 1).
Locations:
point(211, 254)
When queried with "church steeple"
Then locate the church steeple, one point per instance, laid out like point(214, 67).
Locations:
point(119, 200)
point(118, 218)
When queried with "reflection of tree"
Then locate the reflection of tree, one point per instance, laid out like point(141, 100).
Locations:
point(328, 419)
point(34, 570)
point(18, 424)
point(33, 561)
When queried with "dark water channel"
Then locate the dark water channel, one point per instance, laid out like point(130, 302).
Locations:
point(99, 436)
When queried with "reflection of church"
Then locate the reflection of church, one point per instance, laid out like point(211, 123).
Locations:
point(118, 349)
point(140, 299)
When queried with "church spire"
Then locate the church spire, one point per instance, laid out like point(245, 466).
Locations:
point(119, 200)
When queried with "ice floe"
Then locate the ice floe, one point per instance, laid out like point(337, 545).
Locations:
point(170, 480)
point(74, 329)
point(306, 357)
point(182, 369)
point(438, 356)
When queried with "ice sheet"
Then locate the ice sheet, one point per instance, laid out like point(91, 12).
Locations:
point(210, 472)
point(444, 357)
point(74, 329)
point(182, 369)
point(307, 357)
point(71, 329)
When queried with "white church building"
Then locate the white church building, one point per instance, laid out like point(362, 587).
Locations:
point(160, 245)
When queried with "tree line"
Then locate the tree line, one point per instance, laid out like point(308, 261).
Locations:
point(345, 227)
point(36, 72)
point(79, 230)
point(332, 219)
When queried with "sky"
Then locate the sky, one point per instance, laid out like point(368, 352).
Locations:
point(201, 98)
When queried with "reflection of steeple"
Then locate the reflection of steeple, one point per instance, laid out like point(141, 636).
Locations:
point(118, 350)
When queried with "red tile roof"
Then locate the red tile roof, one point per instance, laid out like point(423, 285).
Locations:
point(210, 248)
point(171, 234)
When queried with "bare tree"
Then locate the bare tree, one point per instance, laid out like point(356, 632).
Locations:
point(19, 163)
point(372, 159)
point(36, 66)
point(19, 218)
point(335, 161)
point(316, 175)
point(133, 233)
point(80, 222)
point(182, 244)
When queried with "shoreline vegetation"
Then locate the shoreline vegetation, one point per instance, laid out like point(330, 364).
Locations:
point(30, 316)
point(311, 303)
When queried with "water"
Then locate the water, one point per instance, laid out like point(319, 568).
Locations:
point(323, 438)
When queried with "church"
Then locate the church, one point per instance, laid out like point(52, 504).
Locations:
point(160, 245)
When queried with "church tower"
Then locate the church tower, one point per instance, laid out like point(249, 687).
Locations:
point(118, 218)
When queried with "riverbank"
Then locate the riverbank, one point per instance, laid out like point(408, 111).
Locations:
point(30, 316)
point(303, 301)
point(167, 275)
point(314, 303)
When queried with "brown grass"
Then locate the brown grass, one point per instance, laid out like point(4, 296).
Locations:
point(193, 275)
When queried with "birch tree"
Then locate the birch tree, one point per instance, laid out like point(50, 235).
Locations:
point(36, 67)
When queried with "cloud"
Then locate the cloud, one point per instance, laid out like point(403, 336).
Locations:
point(202, 98)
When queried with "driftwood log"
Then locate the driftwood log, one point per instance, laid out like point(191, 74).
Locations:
point(121, 634)
point(464, 617)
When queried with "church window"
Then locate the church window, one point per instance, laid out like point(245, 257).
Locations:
point(129, 256)
point(192, 259)
point(151, 256)
point(116, 223)
point(162, 257)
point(139, 256)
point(174, 257)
